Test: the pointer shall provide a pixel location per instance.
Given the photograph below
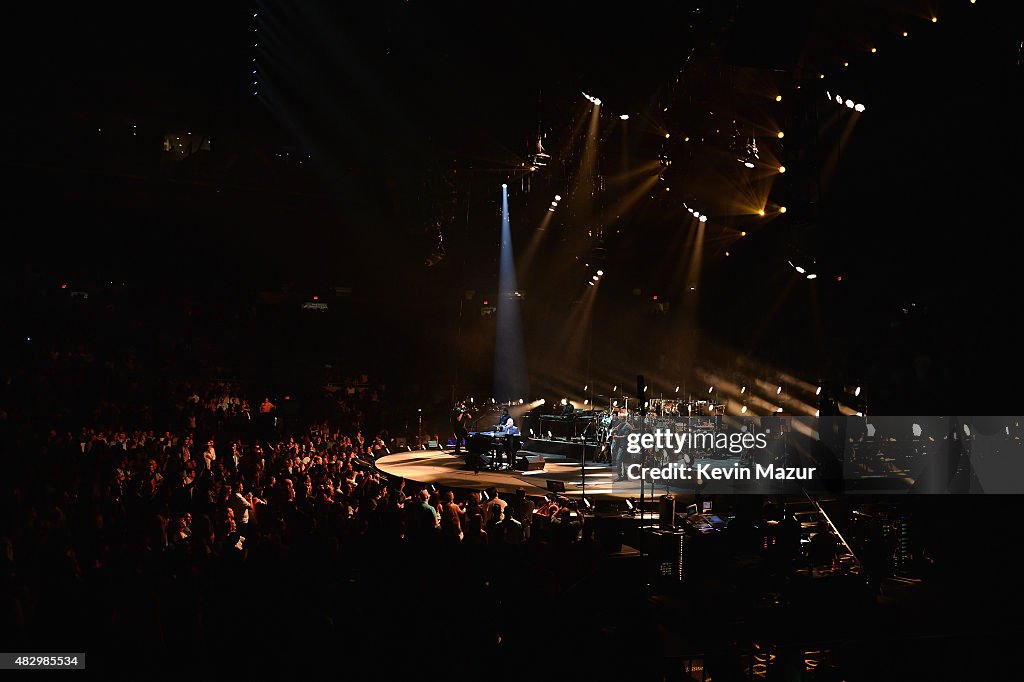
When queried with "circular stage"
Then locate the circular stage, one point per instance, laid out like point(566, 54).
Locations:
point(443, 468)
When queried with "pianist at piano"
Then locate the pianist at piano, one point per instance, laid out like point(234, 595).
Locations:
point(494, 449)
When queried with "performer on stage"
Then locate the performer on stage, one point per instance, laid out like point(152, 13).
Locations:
point(621, 429)
point(507, 427)
point(461, 417)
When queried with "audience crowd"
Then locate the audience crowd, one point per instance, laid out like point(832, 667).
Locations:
point(227, 524)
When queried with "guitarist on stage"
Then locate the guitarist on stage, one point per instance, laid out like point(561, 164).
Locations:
point(620, 430)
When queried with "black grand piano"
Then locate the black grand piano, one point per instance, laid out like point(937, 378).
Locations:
point(493, 450)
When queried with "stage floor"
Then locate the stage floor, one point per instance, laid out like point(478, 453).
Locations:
point(443, 468)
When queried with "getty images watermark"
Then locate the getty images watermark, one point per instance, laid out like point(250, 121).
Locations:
point(734, 443)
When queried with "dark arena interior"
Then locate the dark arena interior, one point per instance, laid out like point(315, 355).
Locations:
point(404, 339)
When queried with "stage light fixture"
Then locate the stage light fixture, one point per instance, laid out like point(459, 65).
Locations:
point(624, 117)
point(761, 213)
point(750, 153)
point(778, 390)
point(781, 135)
point(859, 108)
point(504, 186)
point(668, 135)
point(856, 391)
point(905, 34)
point(743, 390)
point(595, 278)
point(558, 197)
point(799, 269)
point(586, 402)
point(874, 50)
point(711, 389)
point(743, 410)
point(782, 169)
point(778, 98)
point(565, 401)
point(600, 273)
point(677, 389)
point(817, 391)
point(779, 410)
point(812, 276)
point(782, 209)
